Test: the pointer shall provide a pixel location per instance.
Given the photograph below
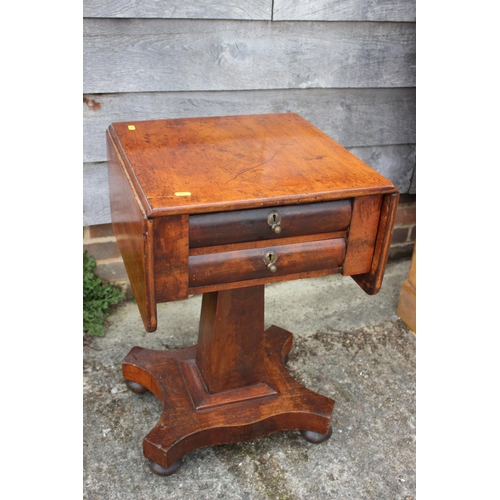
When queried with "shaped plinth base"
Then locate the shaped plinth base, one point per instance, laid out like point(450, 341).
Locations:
point(224, 418)
point(232, 386)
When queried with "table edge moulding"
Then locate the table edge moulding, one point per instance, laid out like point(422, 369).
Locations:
point(222, 206)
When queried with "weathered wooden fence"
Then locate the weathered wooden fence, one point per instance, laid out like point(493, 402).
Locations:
point(347, 66)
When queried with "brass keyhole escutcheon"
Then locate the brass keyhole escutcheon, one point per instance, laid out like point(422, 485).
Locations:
point(274, 221)
point(270, 258)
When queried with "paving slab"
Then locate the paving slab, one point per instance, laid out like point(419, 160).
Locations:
point(349, 346)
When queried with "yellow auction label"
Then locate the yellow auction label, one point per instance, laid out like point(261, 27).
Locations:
point(182, 193)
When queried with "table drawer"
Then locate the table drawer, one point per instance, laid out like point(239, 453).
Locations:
point(256, 263)
point(268, 223)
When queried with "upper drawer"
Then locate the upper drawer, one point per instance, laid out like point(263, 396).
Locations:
point(267, 223)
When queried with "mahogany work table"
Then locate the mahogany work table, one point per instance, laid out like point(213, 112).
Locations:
point(223, 206)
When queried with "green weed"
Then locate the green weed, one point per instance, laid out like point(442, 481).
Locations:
point(98, 299)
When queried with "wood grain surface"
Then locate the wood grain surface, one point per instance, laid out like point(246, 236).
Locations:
point(239, 226)
point(352, 117)
point(179, 9)
point(171, 251)
point(192, 199)
point(393, 162)
point(277, 10)
point(362, 234)
point(229, 163)
point(230, 350)
point(138, 55)
point(242, 265)
point(133, 231)
point(182, 428)
point(348, 67)
point(371, 281)
point(345, 10)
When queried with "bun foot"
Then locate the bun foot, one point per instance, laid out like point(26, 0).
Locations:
point(316, 437)
point(135, 387)
point(161, 471)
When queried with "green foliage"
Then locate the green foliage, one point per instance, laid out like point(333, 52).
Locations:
point(98, 298)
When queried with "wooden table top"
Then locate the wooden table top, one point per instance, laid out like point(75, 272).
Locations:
point(198, 165)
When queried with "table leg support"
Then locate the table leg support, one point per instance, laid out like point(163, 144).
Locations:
point(195, 417)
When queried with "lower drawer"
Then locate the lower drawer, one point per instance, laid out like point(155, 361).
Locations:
point(257, 263)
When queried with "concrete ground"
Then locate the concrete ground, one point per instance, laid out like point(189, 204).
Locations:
point(349, 346)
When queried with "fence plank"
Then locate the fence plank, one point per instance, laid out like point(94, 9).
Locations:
point(345, 10)
point(395, 162)
point(353, 117)
point(96, 208)
point(150, 55)
point(179, 9)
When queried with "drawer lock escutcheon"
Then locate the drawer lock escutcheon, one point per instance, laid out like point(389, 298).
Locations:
point(270, 261)
point(274, 221)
